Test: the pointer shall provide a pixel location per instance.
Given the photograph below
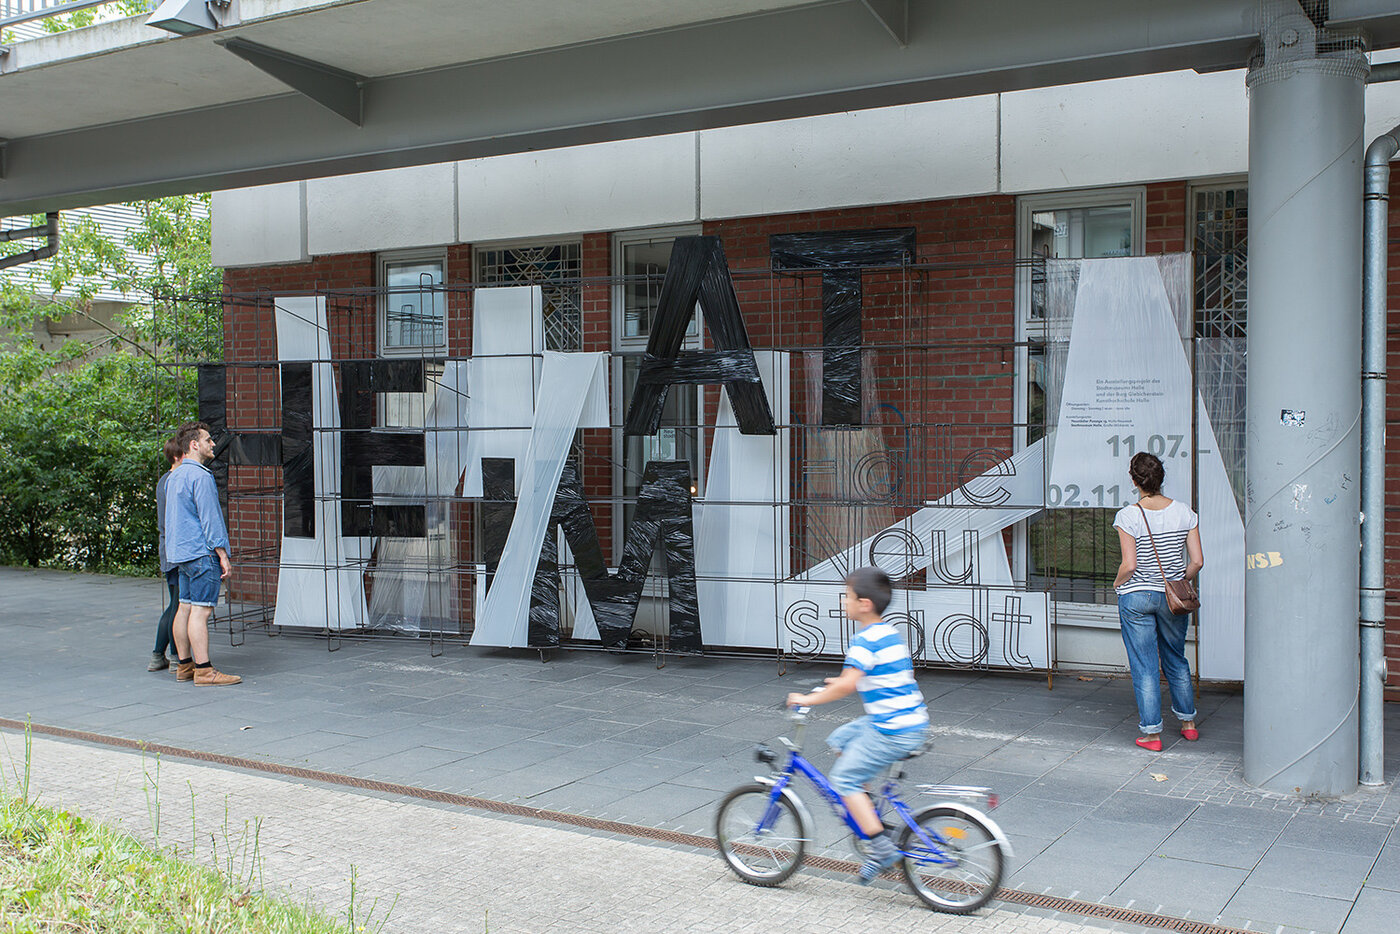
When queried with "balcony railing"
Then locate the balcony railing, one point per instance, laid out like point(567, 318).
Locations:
point(14, 12)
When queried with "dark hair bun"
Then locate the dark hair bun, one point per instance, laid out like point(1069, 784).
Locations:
point(1146, 472)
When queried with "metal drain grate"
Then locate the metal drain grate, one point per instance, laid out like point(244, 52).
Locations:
point(831, 864)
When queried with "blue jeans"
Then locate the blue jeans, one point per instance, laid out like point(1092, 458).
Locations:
point(865, 751)
point(1156, 639)
point(200, 580)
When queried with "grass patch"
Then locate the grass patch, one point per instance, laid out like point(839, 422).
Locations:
point(61, 872)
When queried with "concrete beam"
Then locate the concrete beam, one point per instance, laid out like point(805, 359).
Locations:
point(794, 62)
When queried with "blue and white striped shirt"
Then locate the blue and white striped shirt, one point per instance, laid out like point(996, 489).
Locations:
point(887, 686)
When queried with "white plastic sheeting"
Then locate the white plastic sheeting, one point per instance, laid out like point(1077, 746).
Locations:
point(567, 382)
point(1120, 382)
point(320, 580)
point(741, 529)
point(983, 622)
point(413, 583)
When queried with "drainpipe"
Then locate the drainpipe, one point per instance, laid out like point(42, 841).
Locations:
point(1375, 255)
point(48, 230)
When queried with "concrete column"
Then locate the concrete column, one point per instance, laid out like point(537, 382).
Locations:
point(1302, 489)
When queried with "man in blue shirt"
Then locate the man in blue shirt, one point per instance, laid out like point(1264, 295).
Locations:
point(196, 542)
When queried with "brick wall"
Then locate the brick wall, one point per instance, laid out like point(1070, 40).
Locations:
point(1392, 454)
point(941, 339)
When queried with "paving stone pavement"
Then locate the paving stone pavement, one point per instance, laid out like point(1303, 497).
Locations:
point(451, 870)
point(1091, 817)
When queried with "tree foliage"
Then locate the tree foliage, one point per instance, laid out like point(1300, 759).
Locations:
point(81, 425)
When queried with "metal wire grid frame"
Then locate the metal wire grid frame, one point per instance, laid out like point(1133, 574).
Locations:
point(938, 372)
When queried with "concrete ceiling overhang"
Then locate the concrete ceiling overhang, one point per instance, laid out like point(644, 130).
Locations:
point(120, 111)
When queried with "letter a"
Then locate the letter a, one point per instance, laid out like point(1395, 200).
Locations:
point(698, 272)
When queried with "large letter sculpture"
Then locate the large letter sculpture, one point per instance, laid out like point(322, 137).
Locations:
point(840, 255)
point(363, 447)
point(663, 516)
point(698, 272)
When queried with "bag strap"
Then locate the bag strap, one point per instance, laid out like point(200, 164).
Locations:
point(1154, 543)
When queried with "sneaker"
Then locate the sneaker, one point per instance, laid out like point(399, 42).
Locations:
point(883, 855)
point(158, 662)
point(184, 671)
point(214, 676)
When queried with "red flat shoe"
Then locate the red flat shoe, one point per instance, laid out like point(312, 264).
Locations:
point(1152, 745)
point(1190, 733)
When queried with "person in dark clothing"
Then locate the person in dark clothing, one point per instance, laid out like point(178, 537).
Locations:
point(164, 641)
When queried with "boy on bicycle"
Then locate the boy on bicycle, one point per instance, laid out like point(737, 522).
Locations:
point(896, 720)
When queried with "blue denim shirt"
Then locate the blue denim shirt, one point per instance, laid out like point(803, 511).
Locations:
point(194, 525)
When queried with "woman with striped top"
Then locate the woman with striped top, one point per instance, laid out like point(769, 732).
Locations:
point(1155, 636)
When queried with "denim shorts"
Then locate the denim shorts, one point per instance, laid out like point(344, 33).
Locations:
point(200, 580)
point(865, 751)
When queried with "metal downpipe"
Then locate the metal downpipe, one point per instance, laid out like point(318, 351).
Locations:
point(48, 230)
point(1375, 256)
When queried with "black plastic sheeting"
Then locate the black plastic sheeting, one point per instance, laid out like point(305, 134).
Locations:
point(497, 510)
point(246, 448)
point(298, 474)
point(699, 272)
point(362, 448)
point(663, 515)
point(840, 254)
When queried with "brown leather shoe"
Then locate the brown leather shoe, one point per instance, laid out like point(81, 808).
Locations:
point(214, 676)
point(184, 671)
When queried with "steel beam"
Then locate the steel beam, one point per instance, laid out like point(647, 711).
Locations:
point(793, 62)
point(340, 92)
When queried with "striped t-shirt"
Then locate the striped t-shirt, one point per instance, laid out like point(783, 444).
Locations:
point(1169, 529)
point(887, 687)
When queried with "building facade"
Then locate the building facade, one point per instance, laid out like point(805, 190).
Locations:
point(956, 360)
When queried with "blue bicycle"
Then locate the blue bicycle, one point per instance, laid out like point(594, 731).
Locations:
point(951, 853)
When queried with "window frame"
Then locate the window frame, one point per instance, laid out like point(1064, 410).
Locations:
point(621, 343)
point(381, 327)
point(1028, 330)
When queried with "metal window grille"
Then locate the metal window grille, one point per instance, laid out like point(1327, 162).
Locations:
point(556, 268)
point(1220, 228)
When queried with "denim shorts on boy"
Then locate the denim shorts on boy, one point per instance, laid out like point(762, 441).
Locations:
point(200, 580)
point(865, 751)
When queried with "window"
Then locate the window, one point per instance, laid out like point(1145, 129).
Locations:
point(1071, 552)
point(556, 268)
point(1218, 229)
point(640, 259)
point(412, 305)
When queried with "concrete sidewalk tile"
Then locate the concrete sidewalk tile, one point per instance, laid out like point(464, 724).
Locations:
point(1025, 758)
point(1038, 817)
point(1386, 872)
point(1003, 783)
point(1377, 911)
point(1134, 807)
point(1312, 872)
point(640, 774)
point(1324, 833)
point(1263, 907)
point(1182, 885)
point(1237, 845)
point(1215, 813)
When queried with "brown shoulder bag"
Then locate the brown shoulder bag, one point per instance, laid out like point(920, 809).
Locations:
point(1181, 596)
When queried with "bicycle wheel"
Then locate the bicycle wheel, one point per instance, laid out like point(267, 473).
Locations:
point(963, 868)
point(762, 840)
